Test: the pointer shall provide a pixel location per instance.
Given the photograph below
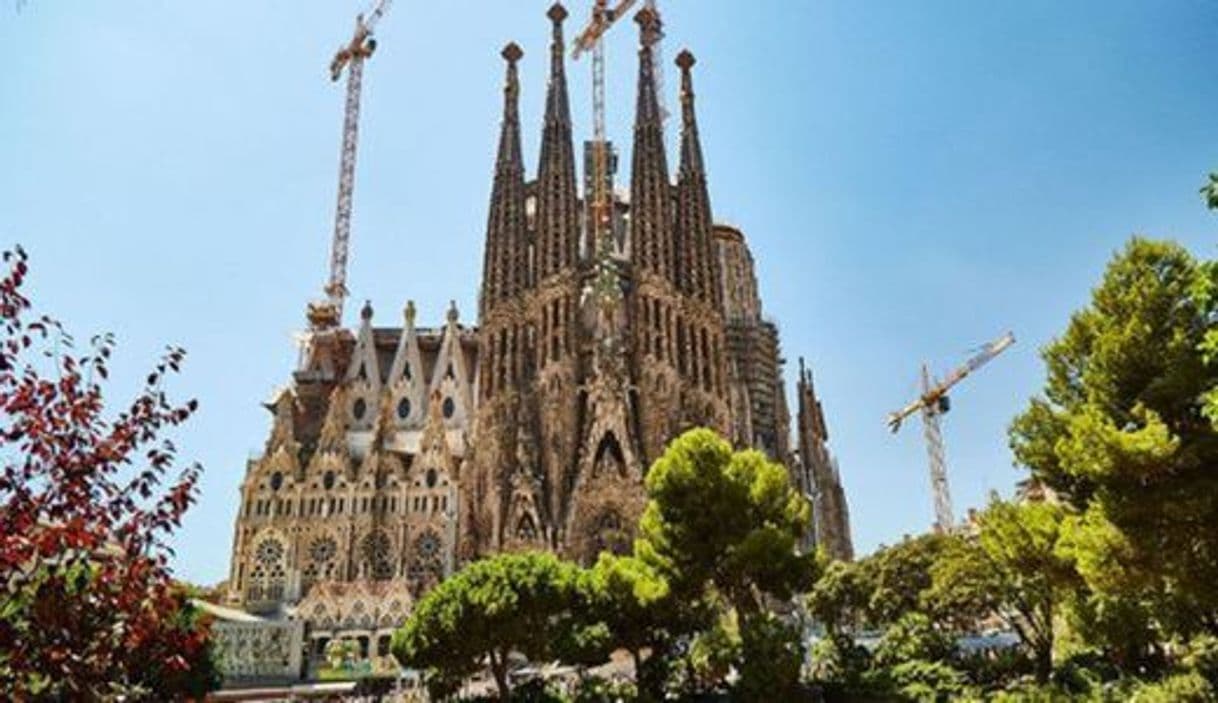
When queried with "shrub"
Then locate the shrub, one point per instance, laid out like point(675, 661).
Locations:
point(1181, 688)
point(913, 637)
point(837, 659)
point(771, 655)
point(595, 689)
point(1202, 657)
point(920, 680)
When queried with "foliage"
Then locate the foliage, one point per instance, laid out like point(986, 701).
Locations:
point(1209, 192)
point(491, 608)
point(184, 623)
point(727, 520)
point(837, 658)
point(1121, 433)
point(633, 601)
point(994, 669)
point(901, 576)
point(594, 689)
point(721, 529)
point(1012, 570)
point(840, 597)
point(88, 609)
point(1122, 628)
point(712, 654)
point(914, 637)
point(771, 657)
point(1180, 688)
point(1201, 656)
point(920, 680)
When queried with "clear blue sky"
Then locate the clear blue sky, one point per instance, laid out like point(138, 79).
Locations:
point(914, 178)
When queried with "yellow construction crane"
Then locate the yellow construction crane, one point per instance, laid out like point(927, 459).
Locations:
point(328, 313)
point(591, 39)
point(933, 403)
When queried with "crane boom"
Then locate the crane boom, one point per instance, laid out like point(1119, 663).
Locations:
point(932, 393)
point(329, 313)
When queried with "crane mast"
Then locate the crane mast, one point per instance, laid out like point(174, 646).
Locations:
point(591, 39)
point(932, 404)
point(328, 313)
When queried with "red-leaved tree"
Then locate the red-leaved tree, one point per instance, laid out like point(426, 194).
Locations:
point(87, 500)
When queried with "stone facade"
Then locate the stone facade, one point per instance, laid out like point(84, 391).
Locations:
point(818, 476)
point(397, 453)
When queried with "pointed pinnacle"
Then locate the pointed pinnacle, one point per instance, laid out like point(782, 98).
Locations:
point(557, 13)
point(512, 52)
point(646, 17)
point(685, 60)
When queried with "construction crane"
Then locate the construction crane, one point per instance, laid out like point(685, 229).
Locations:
point(329, 312)
point(591, 39)
point(934, 403)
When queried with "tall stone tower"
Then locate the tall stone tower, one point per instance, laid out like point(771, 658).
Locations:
point(818, 475)
point(759, 406)
point(592, 362)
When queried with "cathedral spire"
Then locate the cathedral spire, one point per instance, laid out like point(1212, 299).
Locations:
point(651, 236)
point(505, 263)
point(557, 203)
point(694, 219)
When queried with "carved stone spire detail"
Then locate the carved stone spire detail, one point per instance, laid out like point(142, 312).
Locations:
point(650, 220)
point(557, 201)
point(694, 219)
point(505, 269)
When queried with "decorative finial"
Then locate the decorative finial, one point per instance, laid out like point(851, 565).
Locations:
point(512, 52)
point(452, 312)
point(409, 313)
point(686, 60)
point(366, 312)
point(557, 13)
point(646, 18)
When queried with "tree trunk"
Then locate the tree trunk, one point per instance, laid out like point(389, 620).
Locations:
point(499, 669)
point(1044, 661)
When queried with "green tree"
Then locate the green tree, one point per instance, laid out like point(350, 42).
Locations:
point(840, 598)
point(491, 608)
point(771, 656)
point(1126, 432)
point(642, 614)
point(901, 575)
point(1013, 569)
point(722, 528)
point(914, 636)
point(727, 520)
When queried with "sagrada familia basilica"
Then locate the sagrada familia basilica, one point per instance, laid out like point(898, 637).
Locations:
point(399, 451)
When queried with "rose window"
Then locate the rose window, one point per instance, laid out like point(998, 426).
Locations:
point(428, 546)
point(376, 551)
point(322, 550)
point(269, 553)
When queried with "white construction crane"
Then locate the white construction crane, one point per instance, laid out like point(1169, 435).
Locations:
point(933, 403)
point(591, 39)
point(328, 313)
